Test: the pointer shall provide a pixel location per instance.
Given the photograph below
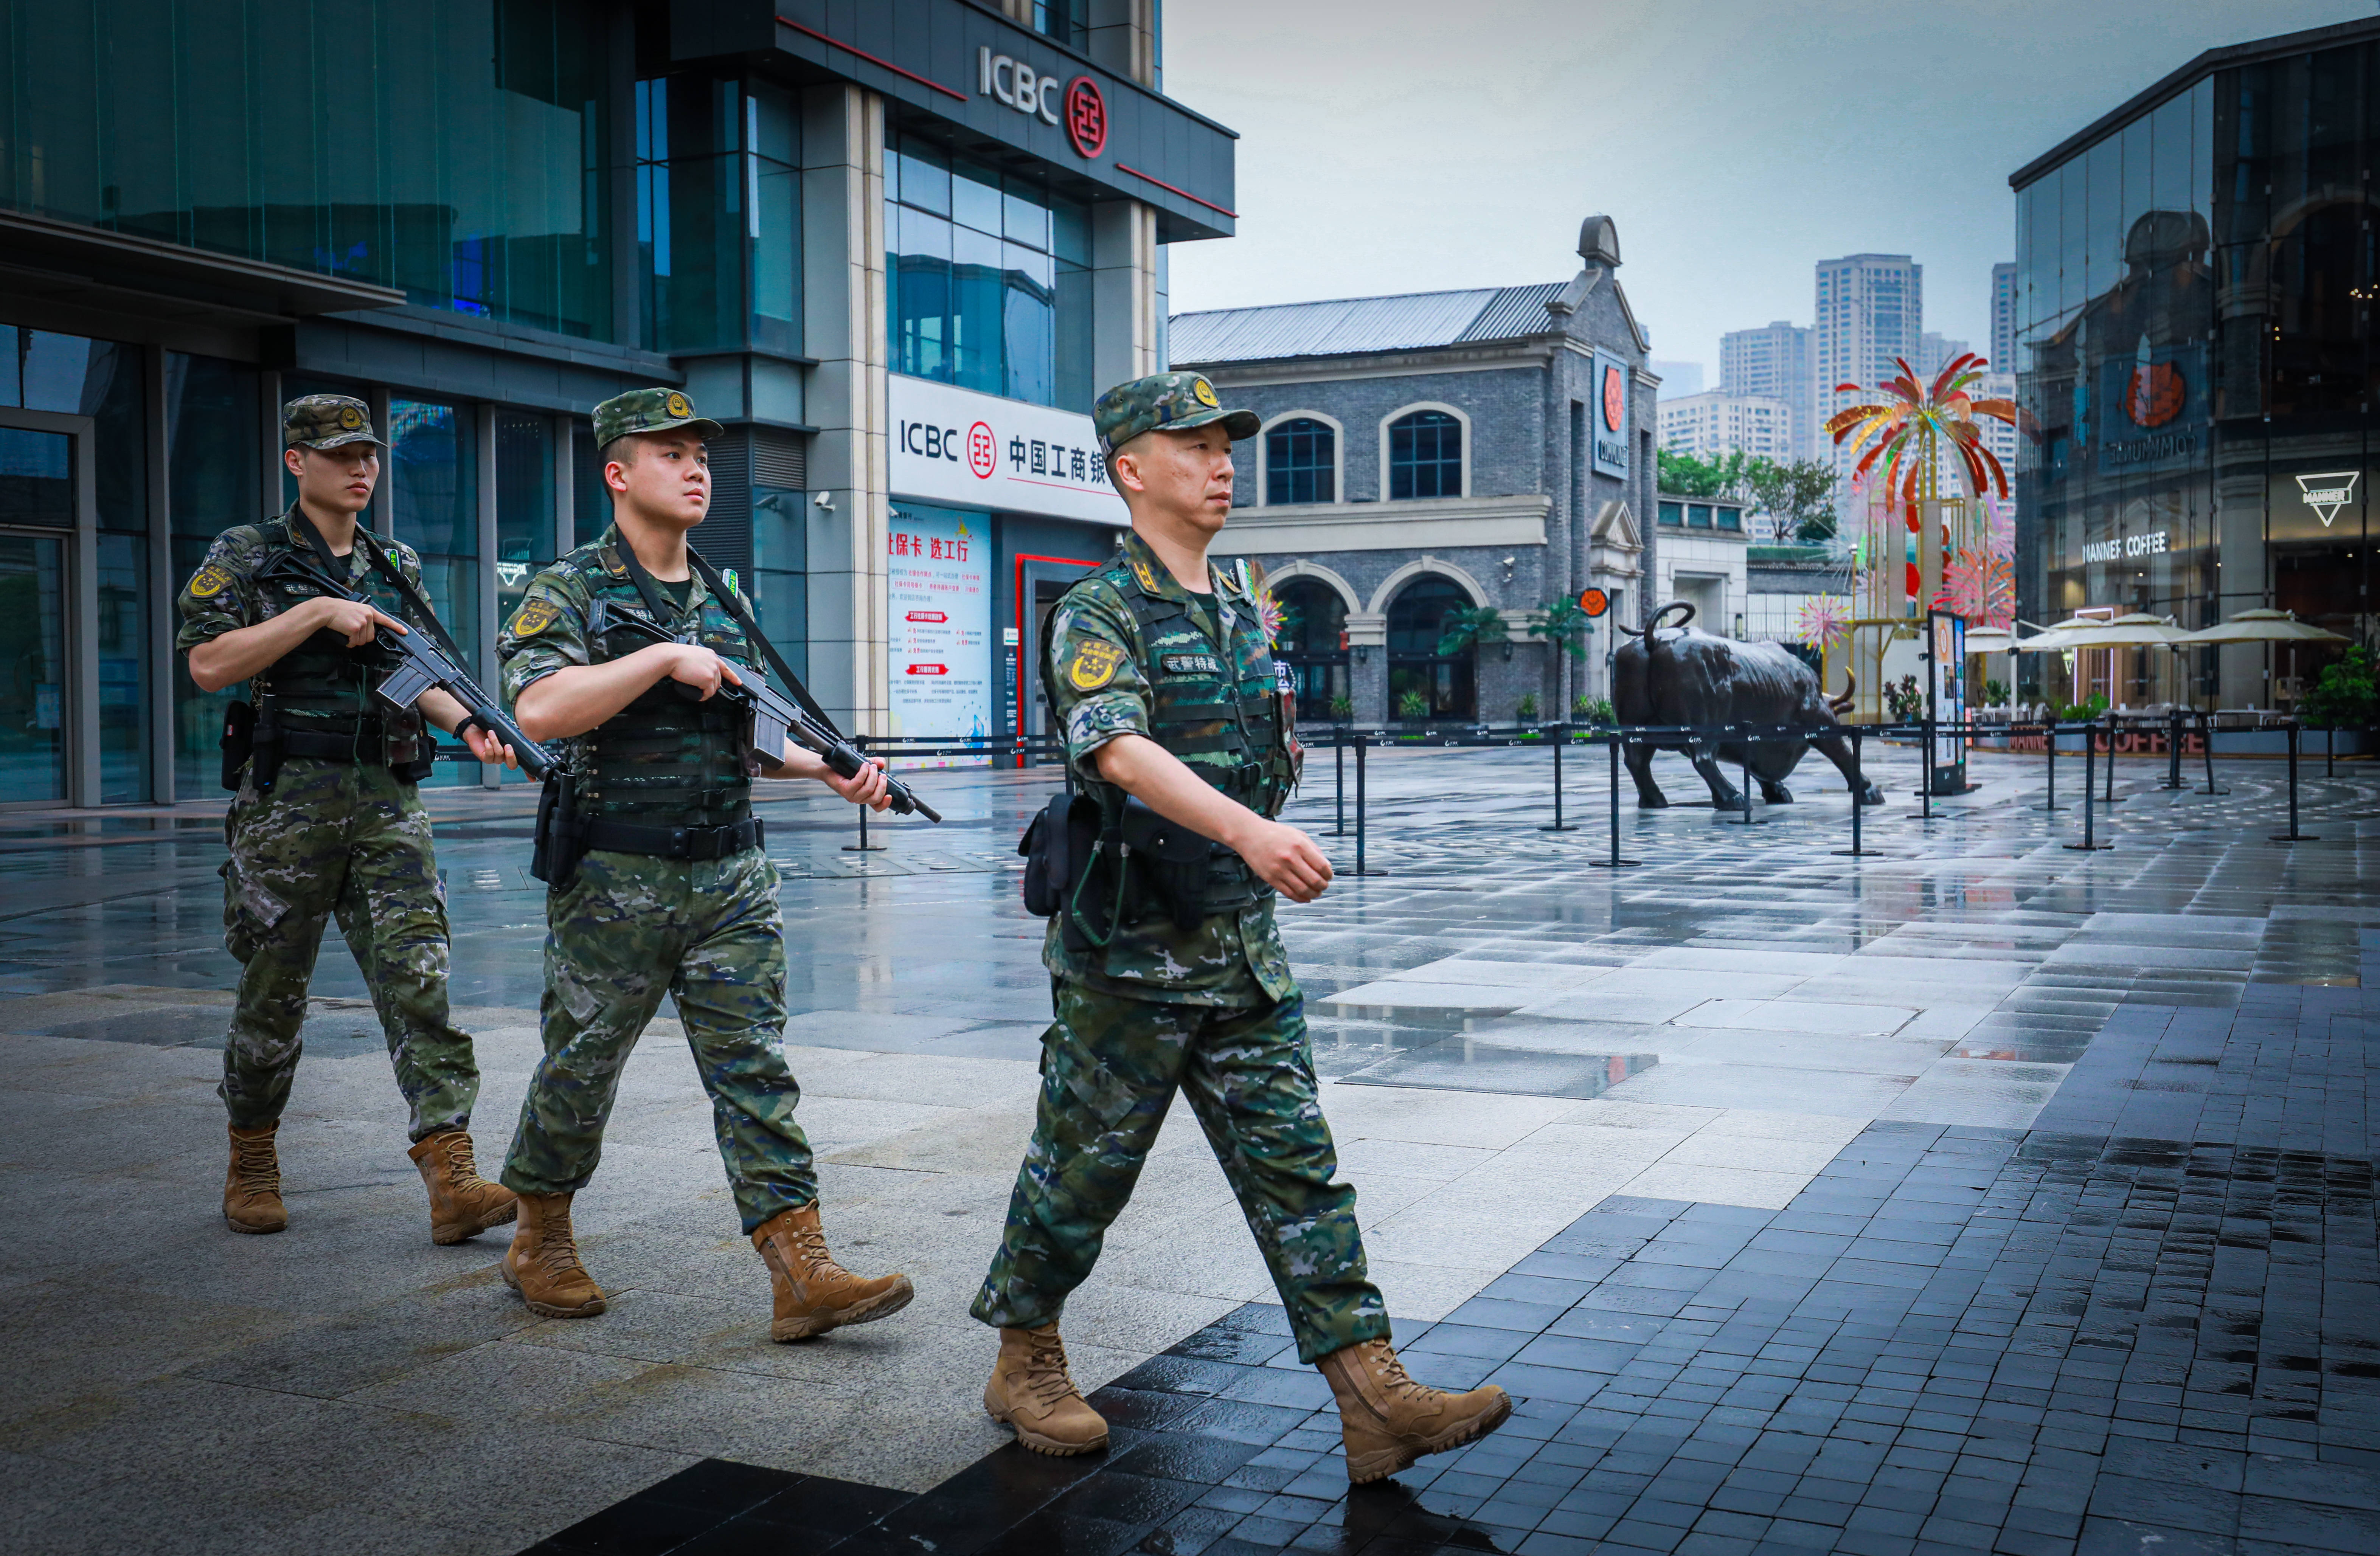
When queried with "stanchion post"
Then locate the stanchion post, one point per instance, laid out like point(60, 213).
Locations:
point(2293, 835)
point(859, 744)
point(1615, 861)
point(2206, 750)
point(2173, 752)
point(1361, 742)
point(2050, 738)
point(1925, 769)
point(2109, 799)
point(1561, 738)
point(2090, 756)
point(1339, 773)
point(1859, 787)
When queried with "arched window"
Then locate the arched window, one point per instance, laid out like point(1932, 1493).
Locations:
point(1313, 639)
point(1419, 676)
point(1299, 457)
point(1425, 456)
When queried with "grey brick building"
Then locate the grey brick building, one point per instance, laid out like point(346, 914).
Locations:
point(1436, 451)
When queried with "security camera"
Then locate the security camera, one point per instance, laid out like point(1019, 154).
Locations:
point(824, 502)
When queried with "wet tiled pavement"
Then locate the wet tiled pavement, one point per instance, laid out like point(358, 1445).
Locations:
point(1978, 1195)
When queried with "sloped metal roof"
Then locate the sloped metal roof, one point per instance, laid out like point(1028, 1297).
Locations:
point(1413, 321)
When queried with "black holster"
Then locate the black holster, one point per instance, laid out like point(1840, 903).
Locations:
point(264, 748)
point(561, 831)
point(239, 741)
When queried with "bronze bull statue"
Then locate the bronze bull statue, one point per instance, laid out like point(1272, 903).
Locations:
point(1683, 676)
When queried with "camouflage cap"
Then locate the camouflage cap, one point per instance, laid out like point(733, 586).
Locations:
point(650, 410)
point(1170, 400)
point(325, 422)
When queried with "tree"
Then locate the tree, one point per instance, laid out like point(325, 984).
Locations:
point(2347, 696)
point(1798, 493)
point(1689, 475)
point(1565, 626)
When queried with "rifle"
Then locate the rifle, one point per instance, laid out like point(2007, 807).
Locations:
point(774, 715)
point(423, 664)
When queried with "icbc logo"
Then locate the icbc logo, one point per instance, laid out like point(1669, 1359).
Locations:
point(1615, 398)
point(983, 451)
point(1087, 116)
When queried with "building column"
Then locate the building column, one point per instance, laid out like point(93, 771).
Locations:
point(1125, 327)
point(482, 604)
point(1124, 37)
point(843, 322)
point(1367, 665)
point(163, 618)
point(565, 473)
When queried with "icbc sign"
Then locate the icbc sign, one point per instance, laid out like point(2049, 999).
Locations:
point(1087, 116)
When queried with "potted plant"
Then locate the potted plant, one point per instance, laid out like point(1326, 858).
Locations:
point(1595, 710)
point(1526, 711)
point(1413, 708)
point(1342, 710)
point(2346, 696)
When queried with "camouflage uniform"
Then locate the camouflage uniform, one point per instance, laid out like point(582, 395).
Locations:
point(331, 837)
point(631, 926)
point(1212, 1010)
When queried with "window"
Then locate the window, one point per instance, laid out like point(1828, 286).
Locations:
point(1698, 516)
point(1313, 631)
point(1425, 456)
point(718, 214)
point(1673, 513)
point(1300, 454)
point(432, 469)
point(989, 279)
point(1418, 619)
point(1732, 518)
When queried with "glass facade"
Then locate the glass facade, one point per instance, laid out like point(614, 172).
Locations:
point(2195, 366)
point(990, 278)
point(1417, 620)
point(451, 149)
point(718, 214)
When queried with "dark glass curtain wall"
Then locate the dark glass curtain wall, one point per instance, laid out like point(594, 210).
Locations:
point(449, 148)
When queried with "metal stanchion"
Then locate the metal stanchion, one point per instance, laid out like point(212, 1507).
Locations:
point(1339, 773)
point(859, 744)
point(1859, 788)
point(1615, 862)
point(2206, 749)
point(2330, 751)
point(2173, 752)
point(2111, 798)
point(2049, 732)
point(1361, 742)
point(1747, 788)
point(1926, 770)
point(1561, 738)
point(2090, 755)
point(2293, 835)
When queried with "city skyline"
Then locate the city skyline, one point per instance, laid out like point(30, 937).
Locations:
point(1486, 110)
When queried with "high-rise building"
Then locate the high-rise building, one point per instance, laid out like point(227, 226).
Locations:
point(2003, 343)
point(1717, 422)
point(1935, 352)
point(1776, 362)
point(1871, 310)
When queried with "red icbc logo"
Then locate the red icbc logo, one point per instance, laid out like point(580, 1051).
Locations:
point(983, 451)
point(1615, 398)
point(1087, 116)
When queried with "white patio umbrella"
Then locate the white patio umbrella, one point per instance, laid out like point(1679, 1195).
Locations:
point(2136, 631)
point(2260, 626)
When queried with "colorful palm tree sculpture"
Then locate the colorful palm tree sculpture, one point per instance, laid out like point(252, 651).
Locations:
point(1901, 437)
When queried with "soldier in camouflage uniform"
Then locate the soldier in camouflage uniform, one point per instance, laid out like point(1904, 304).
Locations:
point(673, 893)
point(327, 821)
point(1165, 687)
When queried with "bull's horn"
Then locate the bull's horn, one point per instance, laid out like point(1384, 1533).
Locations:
point(1843, 704)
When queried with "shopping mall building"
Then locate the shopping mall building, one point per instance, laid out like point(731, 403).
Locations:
point(2196, 274)
point(894, 248)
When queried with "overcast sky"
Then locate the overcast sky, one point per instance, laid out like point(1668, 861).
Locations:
point(1412, 145)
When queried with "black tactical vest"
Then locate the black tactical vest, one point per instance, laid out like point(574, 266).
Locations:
point(664, 760)
point(323, 685)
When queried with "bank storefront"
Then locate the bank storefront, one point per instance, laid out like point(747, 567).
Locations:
point(998, 506)
point(502, 214)
point(2195, 278)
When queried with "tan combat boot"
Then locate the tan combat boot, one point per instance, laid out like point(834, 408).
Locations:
point(462, 1203)
point(813, 1293)
point(543, 1262)
point(1387, 1420)
point(252, 1185)
point(1031, 1390)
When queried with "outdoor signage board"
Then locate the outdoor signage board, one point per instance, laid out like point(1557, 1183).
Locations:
point(1946, 698)
point(980, 451)
point(938, 578)
point(2150, 414)
point(1608, 415)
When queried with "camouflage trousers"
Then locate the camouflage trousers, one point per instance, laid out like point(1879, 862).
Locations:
point(346, 841)
point(710, 934)
point(1109, 1066)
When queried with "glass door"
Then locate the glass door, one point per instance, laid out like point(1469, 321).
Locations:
point(37, 516)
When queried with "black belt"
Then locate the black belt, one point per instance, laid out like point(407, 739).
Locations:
point(675, 842)
point(365, 740)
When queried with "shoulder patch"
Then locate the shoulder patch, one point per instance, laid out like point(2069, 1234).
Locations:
point(211, 580)
point(534, 618)
point(1093, 664)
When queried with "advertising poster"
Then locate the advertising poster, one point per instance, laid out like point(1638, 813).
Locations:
point(1950, 675)
point(939, 572)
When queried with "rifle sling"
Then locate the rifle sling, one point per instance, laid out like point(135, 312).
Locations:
point(310, 541)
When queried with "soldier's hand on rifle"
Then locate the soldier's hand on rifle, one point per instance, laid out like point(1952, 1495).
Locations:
point(699, 667)
point(1286, 859)
point(352, 619)
point(864, 788)
point(486, 747)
